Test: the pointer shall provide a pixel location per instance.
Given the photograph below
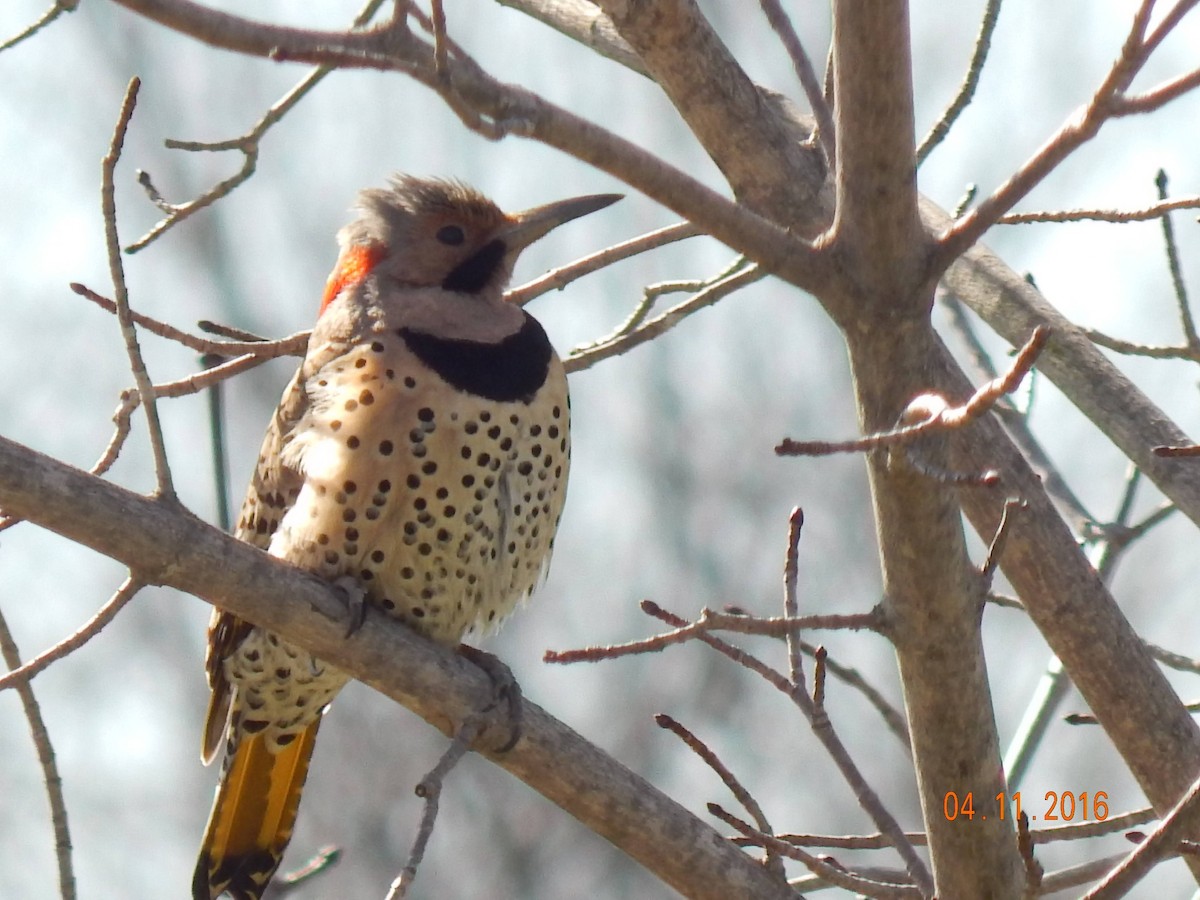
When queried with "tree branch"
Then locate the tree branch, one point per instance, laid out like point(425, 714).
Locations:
point(392, 47)
point(164, 544)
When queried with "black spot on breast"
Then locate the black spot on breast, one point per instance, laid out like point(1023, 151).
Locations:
point(473, 274)
point(513, 369)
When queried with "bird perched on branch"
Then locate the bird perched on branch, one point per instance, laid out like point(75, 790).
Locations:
point(420, 455)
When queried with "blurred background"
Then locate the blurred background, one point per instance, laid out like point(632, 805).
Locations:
point(676, 494)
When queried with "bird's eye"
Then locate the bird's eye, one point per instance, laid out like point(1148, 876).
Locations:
point(451, 234)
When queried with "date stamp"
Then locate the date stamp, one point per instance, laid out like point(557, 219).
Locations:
point(1056, 806)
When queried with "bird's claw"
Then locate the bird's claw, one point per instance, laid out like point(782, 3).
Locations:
point(356, 602)
point(505, 689)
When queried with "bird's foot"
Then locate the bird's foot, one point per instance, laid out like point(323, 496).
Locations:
point(505, 690)
point(356, 602)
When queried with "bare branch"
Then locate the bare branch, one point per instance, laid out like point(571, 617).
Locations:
point(833, 874)
point(1174, 660)
point(292, 345)
point(966, 91)
point(1130, 348)
point(988, 570)
point(802, 65)
point(1155, 98)
point(1181, 297)
point(877, 230)
point(23, 674)
point(791, 604)
point(45, 754)
point(1108, 101)
point(743, 796)
point(557, 279)
point(665, 322)
point(391, 47)
point(582, 21)
point(248, 144)
point(1016, 422)
point(430, 790)
point(652, 293)
point(123, 422)
point(1160, 843)
point(823, 730)
point(162, 468)
point(59, 7)
point(165, 544)
point(1076, 831)
point(1157, 211)
point(325, 858)
point(932, 412)
point(709, 622)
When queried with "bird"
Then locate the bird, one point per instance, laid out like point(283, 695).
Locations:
point(419, 455)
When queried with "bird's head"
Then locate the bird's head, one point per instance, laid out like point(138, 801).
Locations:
point(434, 233)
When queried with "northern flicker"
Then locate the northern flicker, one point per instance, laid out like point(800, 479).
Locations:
point(421, 450)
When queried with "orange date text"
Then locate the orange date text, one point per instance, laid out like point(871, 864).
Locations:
point(1056, 806)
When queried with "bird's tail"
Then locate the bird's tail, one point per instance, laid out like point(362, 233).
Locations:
point(252, 816)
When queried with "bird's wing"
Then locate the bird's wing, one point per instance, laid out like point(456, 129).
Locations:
point(273, 490)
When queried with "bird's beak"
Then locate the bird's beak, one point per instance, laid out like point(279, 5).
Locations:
point(526, 227)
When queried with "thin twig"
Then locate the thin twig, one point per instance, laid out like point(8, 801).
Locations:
point(1074, 832)
point(743, 796)
point(322, 861)
point(92, 627)
point(437, 15)
point(162, 469)
point(1181, 297)
point(710, 621)
point(292, 345)
point(1108, 101)
point(1015, 420)
point(818, 692)
point(988, 570)
point(122, 422)
point(1174, 660)
point(62, 6)
point(248, 144)
point(966, 91)
point(823, 730)
point(1157, 211)
point(216, 433)
point(45, 754)
point(388, 48)
point(665, 322)
point(834, 874)
point(892, 717)
point(1034, 873)
point(557, 279)
point(937, 414)
point(651, 294)
point(1130, 348)
point(1081, 874)
point(1159, 844)
point(229, 332)
point(430, 790)
point(791, 603)
point(802, 65)
point(1156, 97)
point(1104, 554)
point(914, 457)
point(192, 384)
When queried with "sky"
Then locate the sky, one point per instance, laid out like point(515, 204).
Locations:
point(675, 492)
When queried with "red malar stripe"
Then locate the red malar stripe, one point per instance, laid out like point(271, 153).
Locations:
point(355, 264)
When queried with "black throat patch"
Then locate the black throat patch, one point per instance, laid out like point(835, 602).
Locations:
point(475, 272)
point(509, 371)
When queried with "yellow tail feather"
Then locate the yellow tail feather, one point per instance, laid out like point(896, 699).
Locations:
point(252, 816)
